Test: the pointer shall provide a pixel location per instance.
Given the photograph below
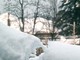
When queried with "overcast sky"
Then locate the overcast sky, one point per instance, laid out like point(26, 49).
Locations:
point(2, 3)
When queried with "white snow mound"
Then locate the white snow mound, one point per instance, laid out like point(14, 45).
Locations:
point(61, 51)
point(16, 45)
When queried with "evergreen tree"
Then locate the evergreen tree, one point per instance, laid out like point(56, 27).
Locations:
point(70, 13)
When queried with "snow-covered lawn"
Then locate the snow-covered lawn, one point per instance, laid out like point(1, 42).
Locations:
point(60, 51)
point(16, 45)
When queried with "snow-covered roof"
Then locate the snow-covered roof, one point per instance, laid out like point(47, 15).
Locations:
point(14, 23)
point(42, 25)
point(4, 17)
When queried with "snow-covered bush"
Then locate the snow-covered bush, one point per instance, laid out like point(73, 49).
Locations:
point(16, 45)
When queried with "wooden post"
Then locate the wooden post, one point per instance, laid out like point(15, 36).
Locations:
point(74, 32)
point(8, 20)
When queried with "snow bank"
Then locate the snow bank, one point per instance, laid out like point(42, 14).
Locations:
point(69, 41)
point(61, 51)
point(16, 45)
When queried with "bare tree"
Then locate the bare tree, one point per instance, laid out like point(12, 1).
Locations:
point(42, 10)
point(53, 10)
point(22, 14)
point(35, 15)
point(18, 8)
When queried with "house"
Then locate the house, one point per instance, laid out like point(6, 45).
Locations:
point(43, 27)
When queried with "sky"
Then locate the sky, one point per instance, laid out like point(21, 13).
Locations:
point(2, 5)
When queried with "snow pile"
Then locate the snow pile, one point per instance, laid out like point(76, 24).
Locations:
point(36, 58)
point(69, 41)
point(62, 38)
point(16, 45)
point(61, 51)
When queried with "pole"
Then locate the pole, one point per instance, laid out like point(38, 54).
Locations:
point(74, 32)
point(8, 20)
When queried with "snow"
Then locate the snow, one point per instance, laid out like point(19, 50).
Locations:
point(36, 58)
point(70, 40)
point(16, 45)
point(61, 51)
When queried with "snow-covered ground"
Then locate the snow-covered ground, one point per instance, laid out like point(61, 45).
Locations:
point(69, 41)
point(16, 45)
point(60, 51)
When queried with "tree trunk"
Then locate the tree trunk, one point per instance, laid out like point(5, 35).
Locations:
point(22, 17)
point(54, 19)
point(34, 25)
point(53, 34)
point(35, 16)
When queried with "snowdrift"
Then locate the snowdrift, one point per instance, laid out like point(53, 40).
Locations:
point(61, 51)
point(16, 45)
